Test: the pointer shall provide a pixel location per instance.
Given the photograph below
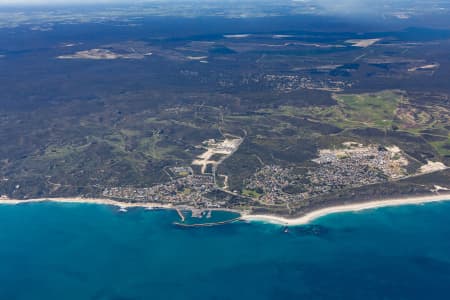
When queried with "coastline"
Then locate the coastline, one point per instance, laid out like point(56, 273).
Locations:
point(81, 200)
point(122, 206)
point(245, 216)
point(316, 214)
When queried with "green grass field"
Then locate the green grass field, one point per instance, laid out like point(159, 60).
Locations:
point(376, 110)
point(251, 193)
point(369, 110)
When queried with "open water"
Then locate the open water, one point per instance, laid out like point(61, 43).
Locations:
point(81, 251)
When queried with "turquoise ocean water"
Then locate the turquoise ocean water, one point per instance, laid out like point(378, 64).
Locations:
point(76, 251)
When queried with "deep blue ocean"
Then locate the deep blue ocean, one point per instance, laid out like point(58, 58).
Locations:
point(76, 251)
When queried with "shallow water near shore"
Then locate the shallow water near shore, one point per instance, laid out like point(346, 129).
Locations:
point(208, 218)
point(83, 251)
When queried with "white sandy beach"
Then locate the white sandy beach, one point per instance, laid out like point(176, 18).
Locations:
point(100, 201)
point(346, 208)
point(307, 218)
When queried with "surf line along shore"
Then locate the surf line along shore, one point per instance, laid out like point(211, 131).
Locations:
point(313, 215)
point(305, 219)
point(82, 200)
point(122, 205)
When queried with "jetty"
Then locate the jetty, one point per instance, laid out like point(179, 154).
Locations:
point(207, 224)
point(180, 214)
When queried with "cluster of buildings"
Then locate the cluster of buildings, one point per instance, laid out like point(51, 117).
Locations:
point(352, 166)
point(184, 188)
point(270, 182)
point(188, 190)
point(289, 83)
point(354, 158)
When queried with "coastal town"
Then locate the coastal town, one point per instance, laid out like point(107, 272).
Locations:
point(187, 186)
point(289, 83)
point(188, 190)
point(349, 165)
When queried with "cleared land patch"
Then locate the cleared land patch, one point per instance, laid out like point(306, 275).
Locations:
point(98, 54)
point(364, 43)
point(213, 147)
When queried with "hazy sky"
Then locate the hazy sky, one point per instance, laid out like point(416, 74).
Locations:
point(59, 1)
point(336, 3)
point(49, 2)
point(333, 6)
